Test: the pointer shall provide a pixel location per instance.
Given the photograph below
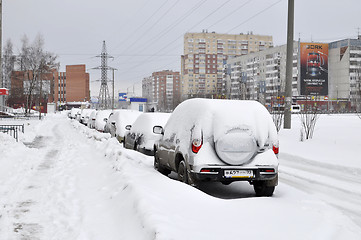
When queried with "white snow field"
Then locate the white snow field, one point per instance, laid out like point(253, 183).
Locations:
point(63, 180)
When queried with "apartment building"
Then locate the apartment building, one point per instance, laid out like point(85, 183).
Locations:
point(162, 90)
point(345, 73)
point(205, 54)
point(260, 75)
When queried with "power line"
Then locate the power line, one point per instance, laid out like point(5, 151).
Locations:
point(174, 24)
point(217, 9)
point(154, 24)
point(145, 22)
point(255, 15)
point(230, 14)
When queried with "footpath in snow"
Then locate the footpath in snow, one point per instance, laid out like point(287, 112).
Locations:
point(65, 181)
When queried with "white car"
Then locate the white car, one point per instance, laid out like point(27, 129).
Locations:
point(84, 113)
point(220, 140)
point(101, 118)
point(74, 112)
point(140, 136)
point(118, 120)
point(91, 121)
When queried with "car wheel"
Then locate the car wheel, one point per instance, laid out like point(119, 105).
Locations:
point(262, 190)
point(159, 167)
point(135, 146)
point(182, 172)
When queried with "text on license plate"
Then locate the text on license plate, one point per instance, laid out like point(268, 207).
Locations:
point(238, 173)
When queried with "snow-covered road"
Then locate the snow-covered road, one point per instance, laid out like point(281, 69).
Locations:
point(66, 181)
point(339, 186)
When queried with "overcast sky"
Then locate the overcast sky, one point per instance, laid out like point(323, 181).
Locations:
point(147, 35)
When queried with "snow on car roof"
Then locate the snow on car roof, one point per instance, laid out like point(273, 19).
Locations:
point(217, 116)
point(146, 121)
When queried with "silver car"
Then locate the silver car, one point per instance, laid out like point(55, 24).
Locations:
point(220, 140)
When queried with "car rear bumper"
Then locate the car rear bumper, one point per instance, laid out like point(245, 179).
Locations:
point(218, 175)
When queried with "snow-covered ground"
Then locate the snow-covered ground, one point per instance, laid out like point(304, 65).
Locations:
point(66, 181)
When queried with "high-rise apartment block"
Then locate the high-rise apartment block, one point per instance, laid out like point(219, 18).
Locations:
point(205, 55)
point(162, 90)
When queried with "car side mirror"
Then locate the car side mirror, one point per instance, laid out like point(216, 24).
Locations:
point(105, 119)
point(128, 127)
point(113, 123)
point(158, 130)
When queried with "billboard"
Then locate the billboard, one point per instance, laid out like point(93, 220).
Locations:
point(314, 68)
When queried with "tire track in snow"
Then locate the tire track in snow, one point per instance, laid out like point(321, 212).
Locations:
point(337, 185)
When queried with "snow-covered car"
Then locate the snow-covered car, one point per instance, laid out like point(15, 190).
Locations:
point(118, 120)
point(74, 113)
point(85, 112)
point(101, 118)
point(220, 140)
point(87, 116)
point(140, 136)
point(91, 121)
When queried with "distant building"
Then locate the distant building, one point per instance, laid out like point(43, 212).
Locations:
point(54, 86)
point(205, 54)
point(72, 85)
point(162, 90)
point(345, 73)
point(329, 74)
point(260, 75)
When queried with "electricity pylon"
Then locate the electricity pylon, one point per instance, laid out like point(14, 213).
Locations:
point(104, 99)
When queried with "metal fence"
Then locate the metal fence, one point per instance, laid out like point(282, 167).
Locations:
point(13, 130)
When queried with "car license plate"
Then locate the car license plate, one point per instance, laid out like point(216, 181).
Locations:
point(238, 173)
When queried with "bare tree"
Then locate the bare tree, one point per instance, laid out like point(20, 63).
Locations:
point(34, 62)
point(309, 116)
point(8, 64)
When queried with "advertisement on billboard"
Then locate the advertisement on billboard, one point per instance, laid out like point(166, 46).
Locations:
point(314, 69)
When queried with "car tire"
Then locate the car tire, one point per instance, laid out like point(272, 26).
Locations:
point(182, 172)
point(262, 190)
point(159, 167)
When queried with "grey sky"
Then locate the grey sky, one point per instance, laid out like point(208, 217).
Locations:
point(147, 35)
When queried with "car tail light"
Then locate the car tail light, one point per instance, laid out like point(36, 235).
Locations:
point(275, 148)
point(196, 145)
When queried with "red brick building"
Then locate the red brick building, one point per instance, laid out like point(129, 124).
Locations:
point(72, 85)
point(59, 87)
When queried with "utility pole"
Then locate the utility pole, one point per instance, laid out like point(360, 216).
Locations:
point(2, 98)
point(1, 43)
point(289, 66)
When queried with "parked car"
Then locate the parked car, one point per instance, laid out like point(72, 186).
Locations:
point(92, 117)
point(222, 141)
point(83, 114)
point(74, 112)
point(140, 136)
point(118, 120)
point(101, 118)
point(87, 116)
